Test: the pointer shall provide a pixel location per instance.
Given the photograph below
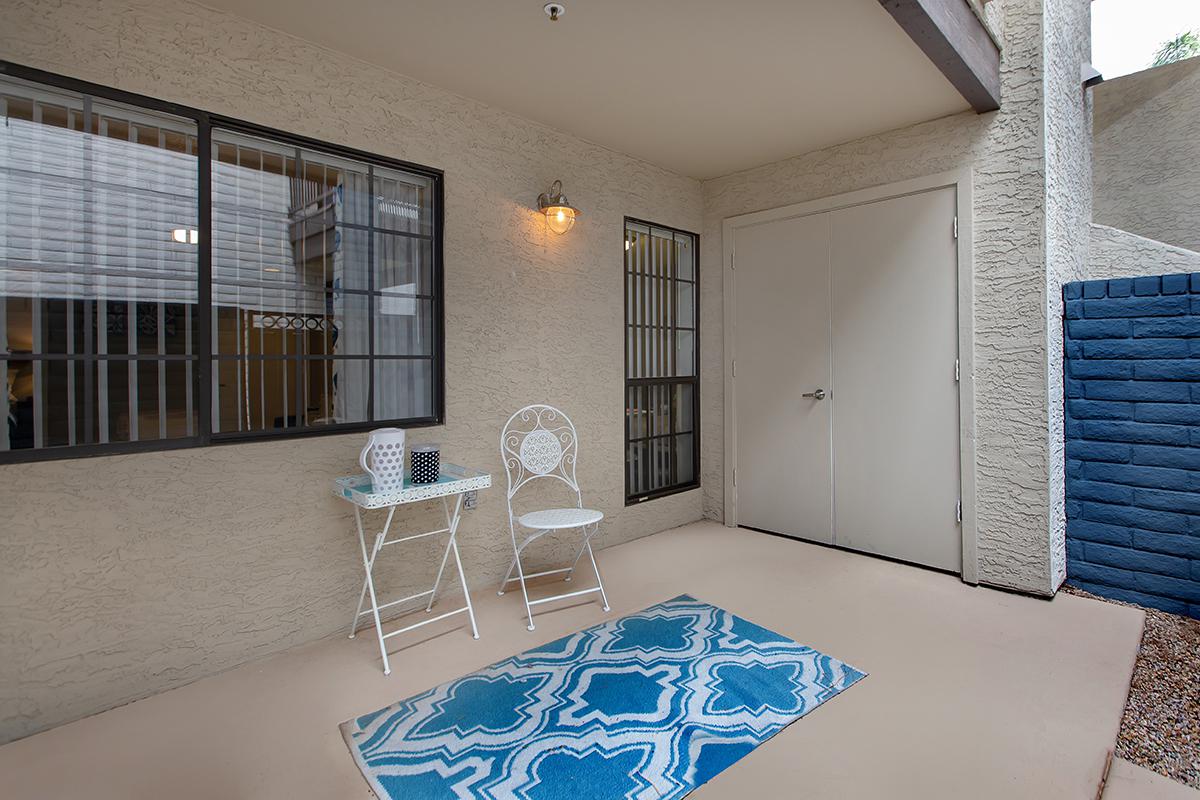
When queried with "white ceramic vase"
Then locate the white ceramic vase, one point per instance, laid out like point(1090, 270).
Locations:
point(383, 459)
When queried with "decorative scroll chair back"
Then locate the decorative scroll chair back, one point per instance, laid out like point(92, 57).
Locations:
point(537, 442)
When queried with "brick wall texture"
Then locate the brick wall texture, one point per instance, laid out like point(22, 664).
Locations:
point(1133, 439)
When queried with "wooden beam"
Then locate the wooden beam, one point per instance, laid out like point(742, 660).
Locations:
point(957, 42)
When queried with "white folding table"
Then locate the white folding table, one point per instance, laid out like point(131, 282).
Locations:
point(455, 481)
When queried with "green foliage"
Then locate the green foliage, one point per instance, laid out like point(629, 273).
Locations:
point(1185, 45)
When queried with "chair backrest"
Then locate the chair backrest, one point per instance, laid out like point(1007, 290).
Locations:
point(539, 441)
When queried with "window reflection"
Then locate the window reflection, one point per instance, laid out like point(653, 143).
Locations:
point(97, 298)
point(320, 265)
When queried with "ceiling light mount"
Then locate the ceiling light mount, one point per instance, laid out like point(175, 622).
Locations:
point(554, 10)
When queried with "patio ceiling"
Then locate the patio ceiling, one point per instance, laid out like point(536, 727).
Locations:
point(701, 87)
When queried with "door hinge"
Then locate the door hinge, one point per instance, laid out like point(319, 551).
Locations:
point(956, 227)
point(957, 374)
point(733, 368)
point(732, 265)
point(958, 511)
point(735, 476)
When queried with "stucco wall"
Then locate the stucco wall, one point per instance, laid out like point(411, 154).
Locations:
point(1121, 254)
point(124, 576)
point(1147, 153)
point(1006, 152)
point(1068, 119)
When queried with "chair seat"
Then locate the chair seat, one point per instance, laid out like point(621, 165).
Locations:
point(555, 518)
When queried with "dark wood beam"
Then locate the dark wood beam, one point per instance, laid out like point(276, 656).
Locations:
point(957, 42)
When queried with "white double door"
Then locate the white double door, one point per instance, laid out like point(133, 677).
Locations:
point(845, 378)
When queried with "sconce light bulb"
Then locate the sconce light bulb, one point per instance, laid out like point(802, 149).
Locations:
point(560, 219)
point(560, 214)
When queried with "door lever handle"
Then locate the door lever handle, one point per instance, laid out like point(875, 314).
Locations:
point(818, 394)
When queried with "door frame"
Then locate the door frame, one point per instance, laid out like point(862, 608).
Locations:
point(961, 182)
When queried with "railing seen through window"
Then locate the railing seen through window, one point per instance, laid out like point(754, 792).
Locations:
point(662, 391)
point(314, 306)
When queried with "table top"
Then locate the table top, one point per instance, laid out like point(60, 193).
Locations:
point(453, 480)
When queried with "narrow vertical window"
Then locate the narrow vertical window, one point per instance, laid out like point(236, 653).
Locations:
point(662, 384)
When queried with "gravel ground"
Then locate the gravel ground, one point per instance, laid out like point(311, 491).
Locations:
point(1161, 727)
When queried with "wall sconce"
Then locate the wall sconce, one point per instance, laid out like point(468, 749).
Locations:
point(560, 214)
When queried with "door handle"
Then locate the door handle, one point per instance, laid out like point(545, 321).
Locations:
point(819, 394)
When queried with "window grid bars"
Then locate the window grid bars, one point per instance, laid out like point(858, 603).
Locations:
point(654, 359)
point(198, 380)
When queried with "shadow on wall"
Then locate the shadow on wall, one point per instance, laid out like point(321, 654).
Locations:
point(1146, 162)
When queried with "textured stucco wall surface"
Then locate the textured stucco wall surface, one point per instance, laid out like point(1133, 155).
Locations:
point(125, 576)
point(1121, 254)
point(1147, 153)
point(1067, 29)
point(1006, 153)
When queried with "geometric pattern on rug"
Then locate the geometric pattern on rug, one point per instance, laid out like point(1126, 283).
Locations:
point(644, 707)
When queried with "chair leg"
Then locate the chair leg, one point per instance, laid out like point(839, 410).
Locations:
point(507, 575)
point(579, 555)
point(524, 591)
point(599, 582)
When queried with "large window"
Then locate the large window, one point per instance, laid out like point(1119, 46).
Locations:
point(662, 390)
point(171, 278)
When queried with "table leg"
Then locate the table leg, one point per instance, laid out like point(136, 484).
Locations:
point(462, 578)
point(438, 581)
point(367, 563)
point(362, 596)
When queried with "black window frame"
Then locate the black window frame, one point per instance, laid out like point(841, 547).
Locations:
point(206, 122)
point(635, 498)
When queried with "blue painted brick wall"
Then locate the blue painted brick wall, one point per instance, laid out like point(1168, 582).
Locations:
point(1132, 353)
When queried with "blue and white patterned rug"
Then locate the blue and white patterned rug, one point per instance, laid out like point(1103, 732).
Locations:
point(644, 707)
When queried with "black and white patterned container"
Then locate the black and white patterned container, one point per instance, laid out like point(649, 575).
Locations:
point(426, 464)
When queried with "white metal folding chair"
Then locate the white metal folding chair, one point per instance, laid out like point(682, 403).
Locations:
point(540, 442)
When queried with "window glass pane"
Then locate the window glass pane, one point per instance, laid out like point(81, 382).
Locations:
point(403, 326)
point(685, 256)
point(635, 417)
point(277, 214)
point(264, 394)
point(404, 265)
point(685, 354)
point(98, 258)
point(259, 395)
point(26, 402)
point(403, 388)
point(403, 202)
point(287, 321)
point(684, 402)
point(685, 304)
point(351, 259)
point(337, 391)
point(684, 468)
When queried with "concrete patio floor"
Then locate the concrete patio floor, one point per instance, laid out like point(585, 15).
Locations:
point(1128, 781)
point(971, 693)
